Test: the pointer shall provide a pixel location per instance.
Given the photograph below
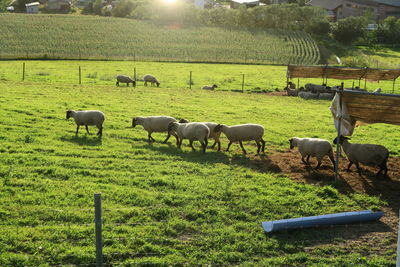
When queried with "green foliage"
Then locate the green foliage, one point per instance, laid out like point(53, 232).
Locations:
point(123, 9)
point(389, 31)
point(89, 37)
point(350, 29)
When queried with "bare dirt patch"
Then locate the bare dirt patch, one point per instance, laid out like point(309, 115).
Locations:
point(376, 238)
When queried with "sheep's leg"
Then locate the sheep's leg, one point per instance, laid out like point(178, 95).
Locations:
point(319, 163)
point(166, 139)
point(219, 145)
point(263, 145)
point(127, 84)
point(241, 145)
point(179, 143)
point(302, 159)
point(258, 147)
point(117, 83)
point(191, 145)
point(151, 139)
point(100, 132)
point(77, 129)
point(358, 168)
point(87, 129)
point(215, 142)
point(348, 167)
point(308, 160)
point(205, 145)
point(332, 159)
point(229, 145)
point(145, 83)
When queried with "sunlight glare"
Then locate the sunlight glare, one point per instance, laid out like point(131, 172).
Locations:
point(169, 1)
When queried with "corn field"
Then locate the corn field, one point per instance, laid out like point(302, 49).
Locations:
point(47, 36)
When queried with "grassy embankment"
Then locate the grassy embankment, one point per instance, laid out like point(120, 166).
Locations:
point(192, 208)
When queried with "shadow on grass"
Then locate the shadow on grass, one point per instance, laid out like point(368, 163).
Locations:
point(85, 140)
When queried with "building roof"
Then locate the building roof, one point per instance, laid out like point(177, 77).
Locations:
point(246, 1)
point(395, 3)
point(33, 4)
point(326, 4)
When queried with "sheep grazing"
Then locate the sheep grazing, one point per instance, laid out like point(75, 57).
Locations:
point(243, 132)
point(155, 124)
point(308, 95)
point(212, 135)
point(151, 79)
point(368, 154)
point(125, 79)
point(377, 90)
point(194, 131)
point(292, 92)
point(212, 87)
point(313, 147)
point(87, 117)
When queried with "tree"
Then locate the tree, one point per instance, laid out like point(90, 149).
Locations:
point(350, 29)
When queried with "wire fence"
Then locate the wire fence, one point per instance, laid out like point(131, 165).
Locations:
point(113, 243)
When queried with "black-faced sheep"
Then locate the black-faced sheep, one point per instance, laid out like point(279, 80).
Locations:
point(212, 135)
point(368, 154)
point(193, 131)
point(151, 79)
point(87, 117)
point(155, 124)
point(313, 147)
point(208, 87)
point(125, 79)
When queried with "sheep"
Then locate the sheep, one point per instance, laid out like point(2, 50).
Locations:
point(243, 132)
point(151, 79)
point(155, 124)
point(125, 79)
point(87, 117)
point(313, 147)
point(368, 154)
point(377, 90)
point(192, 131)
point(308, 95)
point(326, 96)
point(292, 92)
point(213, 135)
point(207, 87)
point(315, 88)
point(291, 85)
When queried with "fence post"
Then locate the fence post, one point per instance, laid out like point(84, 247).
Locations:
point(23, 71)
point(398, 245)
point(134, 73)
point(80, 80)
point(243, 83)
point(339, 129)
point(98, 225)
point(190, 80)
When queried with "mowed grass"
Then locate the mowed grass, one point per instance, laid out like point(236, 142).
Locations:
point(162, 205)
point(93, 37)
point(257, 78)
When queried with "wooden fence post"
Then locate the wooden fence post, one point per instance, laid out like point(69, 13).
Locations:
point(190, 80)
point(134, 73)
point(242, 83)
point(23, 71)
point(98, 226)
point(80, 80)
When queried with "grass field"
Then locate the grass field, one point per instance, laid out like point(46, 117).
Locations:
point(93, 37)
point(258, 78)
point(162, 205)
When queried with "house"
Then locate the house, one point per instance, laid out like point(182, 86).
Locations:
point(59, 5)
point(247, 3)
point(32, 8)
point(339, 9)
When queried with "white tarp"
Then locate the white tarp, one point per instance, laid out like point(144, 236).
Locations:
point(348, 123)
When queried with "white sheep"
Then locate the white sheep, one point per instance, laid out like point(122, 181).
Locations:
point(125, 79)
point(87, 117)
point(208, 87)
point(243, 132)
point(308, 95)
point(313, 147)
point(151, 79)
point(212, 135)
point(377, 90)
point(368, 154)
point(194, 131)
point(292, 92)
point(155, 124)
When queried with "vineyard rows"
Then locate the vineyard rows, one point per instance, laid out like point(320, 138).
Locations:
point(102, 38)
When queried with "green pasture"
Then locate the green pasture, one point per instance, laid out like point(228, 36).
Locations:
point(257, 78)
point(162, 205)
point(54, 36)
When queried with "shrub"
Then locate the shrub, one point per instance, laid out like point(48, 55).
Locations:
point(350, 29)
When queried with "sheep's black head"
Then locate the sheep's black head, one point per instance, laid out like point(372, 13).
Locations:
point(134, 120)
point(134, 83)
point(215, 86)
point(341, 139)
point(218, 128)
point(183, 121)
point(170, 125)
point(69, 112)
point(291, 143)
point(158, 84)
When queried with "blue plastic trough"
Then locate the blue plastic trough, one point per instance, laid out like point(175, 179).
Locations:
point(329, 219)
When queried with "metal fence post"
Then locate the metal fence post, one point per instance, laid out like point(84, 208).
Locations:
point(190, 80)
point(98, 225)
point(134, 73)
point(23, 71)
point(80, 80)
point(243, 83)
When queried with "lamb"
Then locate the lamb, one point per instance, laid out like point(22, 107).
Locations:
point(125, 79)
point(243, 132)
point(212, 87)
point(313, 147)
point(151, 79)
point(308, 95)
point(377, 90)
point(212, 135)
point(87, 117)
point(292, 92)
point(155, 124)
point(194, 131)
point(368, 154)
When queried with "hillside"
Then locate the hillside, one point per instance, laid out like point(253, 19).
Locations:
point(89, 37)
